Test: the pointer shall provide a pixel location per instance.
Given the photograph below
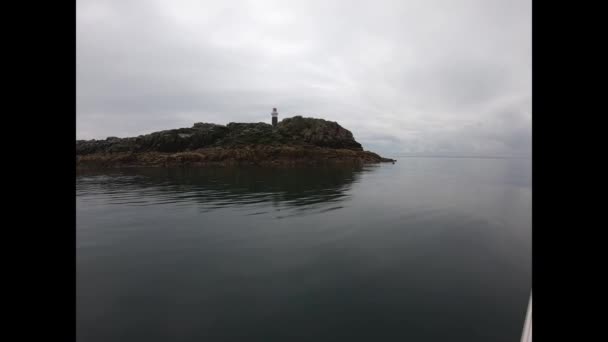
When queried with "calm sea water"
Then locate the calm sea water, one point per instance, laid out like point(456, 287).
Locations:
point(427, 249)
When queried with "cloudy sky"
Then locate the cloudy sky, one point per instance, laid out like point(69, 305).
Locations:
point(449, 77)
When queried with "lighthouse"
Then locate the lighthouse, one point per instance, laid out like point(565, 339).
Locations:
point(275, 116)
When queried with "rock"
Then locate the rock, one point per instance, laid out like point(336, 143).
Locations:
point(293, 139)
point(283, 155)
point(318, 132)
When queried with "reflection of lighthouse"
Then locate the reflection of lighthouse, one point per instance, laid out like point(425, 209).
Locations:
point(275, 116)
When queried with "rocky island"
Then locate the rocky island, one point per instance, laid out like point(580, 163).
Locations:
point(293, 141)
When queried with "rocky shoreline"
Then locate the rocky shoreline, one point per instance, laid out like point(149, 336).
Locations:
point(251, 155)
point(294, 141)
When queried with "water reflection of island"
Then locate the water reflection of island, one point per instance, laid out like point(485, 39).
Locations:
point(321, 188)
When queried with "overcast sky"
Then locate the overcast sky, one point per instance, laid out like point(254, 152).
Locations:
point(404, 76)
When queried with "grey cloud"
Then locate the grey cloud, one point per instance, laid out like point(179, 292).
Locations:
point(431, 76)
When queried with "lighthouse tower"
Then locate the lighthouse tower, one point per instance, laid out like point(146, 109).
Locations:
point(275, 116)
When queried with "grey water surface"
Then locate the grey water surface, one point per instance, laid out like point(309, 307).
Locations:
point(426, 249)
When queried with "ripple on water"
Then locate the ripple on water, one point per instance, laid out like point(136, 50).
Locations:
point(253, 190)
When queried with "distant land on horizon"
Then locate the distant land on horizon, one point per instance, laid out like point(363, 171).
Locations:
point(464, 156)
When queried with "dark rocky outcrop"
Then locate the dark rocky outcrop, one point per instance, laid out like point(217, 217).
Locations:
point(293, 140)
point(318, 132)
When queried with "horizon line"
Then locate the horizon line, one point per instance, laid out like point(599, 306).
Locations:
point(458, 156)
